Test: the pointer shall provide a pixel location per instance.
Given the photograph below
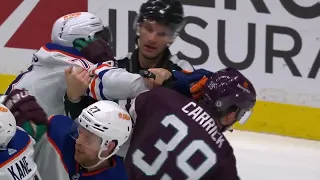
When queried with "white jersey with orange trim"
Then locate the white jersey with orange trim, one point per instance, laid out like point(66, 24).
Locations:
point(117, 83)
point(45, 78)
point(16, 161)
point(111, 83)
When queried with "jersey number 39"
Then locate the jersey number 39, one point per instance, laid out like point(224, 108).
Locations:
point(182, 158)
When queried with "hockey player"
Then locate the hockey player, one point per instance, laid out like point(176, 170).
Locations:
point(157, 25)
point(16, 146)
point(16, 150)
point(45, 77)
point(85, 148)
point(175, 137)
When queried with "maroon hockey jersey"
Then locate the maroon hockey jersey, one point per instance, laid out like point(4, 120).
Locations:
point(175, 138)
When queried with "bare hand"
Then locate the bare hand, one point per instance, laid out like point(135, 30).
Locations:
point(78, 80)
point(161, 76)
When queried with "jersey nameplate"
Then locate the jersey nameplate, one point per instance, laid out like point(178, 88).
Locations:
point(22, 169)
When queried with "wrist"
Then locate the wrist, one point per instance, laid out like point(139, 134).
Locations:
point(73, 98)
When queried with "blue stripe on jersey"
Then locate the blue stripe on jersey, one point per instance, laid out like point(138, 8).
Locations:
point(18, 143)
point(85, 64)
point(70, 50)
point(101, 74)
point(18, 78)
point(101, 91)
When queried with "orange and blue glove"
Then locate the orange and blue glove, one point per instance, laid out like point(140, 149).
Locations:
point(191, 83)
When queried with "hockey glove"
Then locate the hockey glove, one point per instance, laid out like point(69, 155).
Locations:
point(25, 107)
point(185, 80)
point(197, 88)
point(95, 51)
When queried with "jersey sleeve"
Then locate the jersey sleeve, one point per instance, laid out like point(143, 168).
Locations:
point(112, 83)
point(227, 168)
point(48, 150)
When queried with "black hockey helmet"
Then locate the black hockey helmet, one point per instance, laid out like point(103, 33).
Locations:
point(167, 12)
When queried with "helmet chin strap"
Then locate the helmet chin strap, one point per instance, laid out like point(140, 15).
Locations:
point(94, 166)
point(101, 160)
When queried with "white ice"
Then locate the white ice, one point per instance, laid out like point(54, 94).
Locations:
point(270, 157)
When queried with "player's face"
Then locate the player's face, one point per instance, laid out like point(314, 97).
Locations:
point(87, 147)
point(229, 119)
point(153, 39)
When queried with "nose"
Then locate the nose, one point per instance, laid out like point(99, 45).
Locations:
point(79, 141)
point(152, 37)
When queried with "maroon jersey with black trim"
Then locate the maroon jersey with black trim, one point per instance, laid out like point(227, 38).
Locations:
point(175, 138)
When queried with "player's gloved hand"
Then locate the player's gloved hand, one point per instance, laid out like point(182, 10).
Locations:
point(95, 50)
point(197, 88)
point(185, 80)
point(24, 107)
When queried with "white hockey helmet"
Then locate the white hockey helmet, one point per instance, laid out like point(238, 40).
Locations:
point(8, 126)
point(109, 121)
point(73, 26)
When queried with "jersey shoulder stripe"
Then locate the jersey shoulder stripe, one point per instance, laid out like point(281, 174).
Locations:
point(19, 144)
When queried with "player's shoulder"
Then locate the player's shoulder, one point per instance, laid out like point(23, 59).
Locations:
point(68, 51)
point(163, 93)
point(55, 51)
point(19, 144)
point(159, 98)
point(54, 119)
point(58, 121)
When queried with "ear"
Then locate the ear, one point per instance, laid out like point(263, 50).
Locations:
point(108, 149)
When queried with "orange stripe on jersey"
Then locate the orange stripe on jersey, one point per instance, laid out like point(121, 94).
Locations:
point(92, 87)
point(16, 155)
point(93, 82)
point(65, 53)
point(57, 150)
point(50, 118)
point(186, 72)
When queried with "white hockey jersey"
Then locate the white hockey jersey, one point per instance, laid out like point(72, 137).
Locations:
point(45, 78)
point(118, 83)
point(110, 83)
point(16, 162)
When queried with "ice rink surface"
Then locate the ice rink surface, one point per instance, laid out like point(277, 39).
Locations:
point(270, 157)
